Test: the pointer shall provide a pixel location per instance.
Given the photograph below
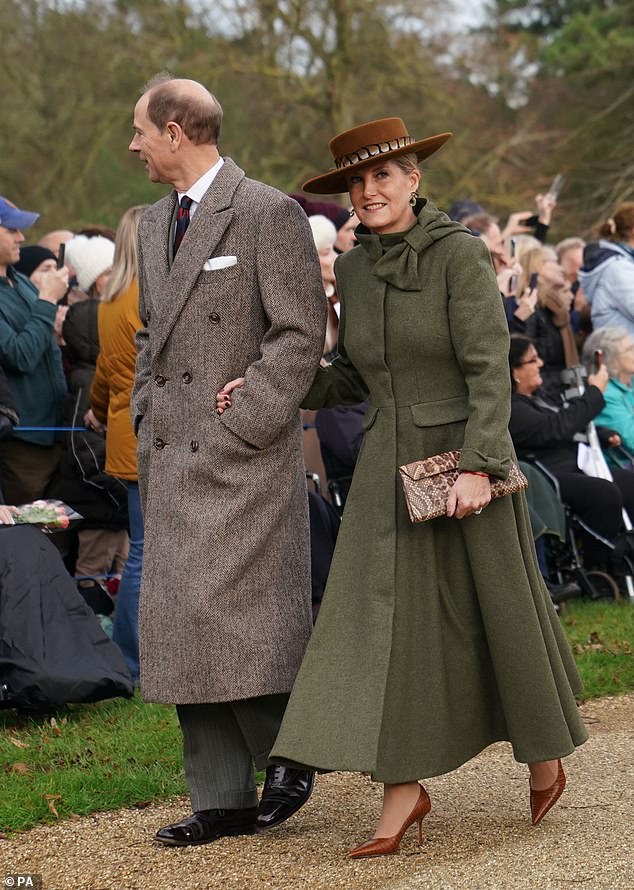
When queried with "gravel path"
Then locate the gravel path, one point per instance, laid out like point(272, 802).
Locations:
point(477, 836)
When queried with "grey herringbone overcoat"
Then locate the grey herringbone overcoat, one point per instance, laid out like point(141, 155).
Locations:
point(225, 595)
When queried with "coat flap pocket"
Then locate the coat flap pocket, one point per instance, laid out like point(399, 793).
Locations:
point(369, 417)
point(443, 411)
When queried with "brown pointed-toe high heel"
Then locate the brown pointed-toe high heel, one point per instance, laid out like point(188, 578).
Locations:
point(381, 846)
point(542, 801)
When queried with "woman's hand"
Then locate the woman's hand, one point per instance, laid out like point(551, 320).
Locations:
point(223, 398)
point(507, 277)
point(469, 494)
point(526, 304)
point(92, 423)
point(516, 224)
point(545, 206)
point(6, 515)
point(600, 379)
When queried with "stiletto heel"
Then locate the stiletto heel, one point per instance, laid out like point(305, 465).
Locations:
point(542, 801)
point(381, 846)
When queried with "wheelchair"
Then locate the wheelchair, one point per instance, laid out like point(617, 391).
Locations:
point(565, 555)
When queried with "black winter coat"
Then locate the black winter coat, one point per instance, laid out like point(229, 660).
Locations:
point(52, 647)
point(547, 433)
point(82, 480)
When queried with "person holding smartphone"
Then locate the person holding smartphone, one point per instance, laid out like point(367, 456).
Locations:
point(32, 362)
point(545, 431)
point(548, 325)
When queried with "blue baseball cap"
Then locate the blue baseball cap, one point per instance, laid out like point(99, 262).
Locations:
point(11, 217)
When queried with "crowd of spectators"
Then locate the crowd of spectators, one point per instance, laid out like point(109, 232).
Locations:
point(67, 354)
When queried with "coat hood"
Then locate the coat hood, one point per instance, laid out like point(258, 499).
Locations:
point(80, 332)
point(596, 258)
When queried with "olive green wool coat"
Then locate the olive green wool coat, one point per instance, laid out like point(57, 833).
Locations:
point(436, 639)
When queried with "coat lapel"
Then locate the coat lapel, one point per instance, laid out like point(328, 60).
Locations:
point(209, 224)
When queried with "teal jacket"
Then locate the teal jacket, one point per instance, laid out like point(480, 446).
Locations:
point(30, 357)
point(618, 414)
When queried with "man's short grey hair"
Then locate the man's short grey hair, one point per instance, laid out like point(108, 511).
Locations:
point(568, 244)
point(200, 117)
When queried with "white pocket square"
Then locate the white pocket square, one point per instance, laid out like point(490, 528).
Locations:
point(219, 262)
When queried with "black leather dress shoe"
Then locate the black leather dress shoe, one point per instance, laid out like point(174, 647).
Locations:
point(208, 825)
point(285, 791)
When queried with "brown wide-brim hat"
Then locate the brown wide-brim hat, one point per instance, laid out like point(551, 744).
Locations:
point(362, 146)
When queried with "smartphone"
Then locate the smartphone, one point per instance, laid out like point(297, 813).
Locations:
point(61, 256)
point(597, 361)
point(512, 248)
point(532, 281)
point(556, 186)
point(574, 287)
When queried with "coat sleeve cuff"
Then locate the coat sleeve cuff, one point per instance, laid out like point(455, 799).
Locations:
point(476, 462)
point(245, 431)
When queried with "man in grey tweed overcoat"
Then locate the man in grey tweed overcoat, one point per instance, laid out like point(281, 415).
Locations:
point(229, 286)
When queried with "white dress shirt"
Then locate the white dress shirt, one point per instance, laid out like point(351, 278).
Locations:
point(198, 189)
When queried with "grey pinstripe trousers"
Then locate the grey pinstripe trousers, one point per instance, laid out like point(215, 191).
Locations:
point(221, 744)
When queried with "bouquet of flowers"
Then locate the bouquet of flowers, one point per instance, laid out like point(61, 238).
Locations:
point(46, 514)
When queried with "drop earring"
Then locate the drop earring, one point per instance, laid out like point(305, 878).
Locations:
point(413, 198)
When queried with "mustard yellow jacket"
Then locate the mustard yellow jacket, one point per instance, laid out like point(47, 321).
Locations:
point(110, 394)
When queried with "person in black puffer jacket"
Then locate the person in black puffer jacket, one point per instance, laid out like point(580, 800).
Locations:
point(82, 481)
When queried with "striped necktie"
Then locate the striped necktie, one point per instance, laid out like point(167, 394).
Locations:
point(182, 221)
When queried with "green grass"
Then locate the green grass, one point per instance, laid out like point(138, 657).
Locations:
point(88, 757)
point(602, 638)
point(128, 753)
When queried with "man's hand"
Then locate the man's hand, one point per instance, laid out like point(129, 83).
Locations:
point(469, 494)
point(53, 285)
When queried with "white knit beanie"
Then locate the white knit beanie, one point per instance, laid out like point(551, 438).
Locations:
point(324, 231)
point(89, 257)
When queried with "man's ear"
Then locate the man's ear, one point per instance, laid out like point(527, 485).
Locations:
point(175, 133)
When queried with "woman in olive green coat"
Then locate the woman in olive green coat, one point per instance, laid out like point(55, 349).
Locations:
point(436, 639)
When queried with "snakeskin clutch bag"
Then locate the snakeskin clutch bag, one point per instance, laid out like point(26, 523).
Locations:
point(427, 482)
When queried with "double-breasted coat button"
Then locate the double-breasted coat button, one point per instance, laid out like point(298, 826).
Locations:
point(159, 380)
point(193, 445)
point(214, 318)
point(159, 443)
point(187, 377)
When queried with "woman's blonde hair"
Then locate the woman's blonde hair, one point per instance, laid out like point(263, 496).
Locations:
point(126, 256)
point(533, 261)
point(407, 163)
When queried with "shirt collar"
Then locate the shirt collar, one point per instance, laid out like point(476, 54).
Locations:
point(198, 189)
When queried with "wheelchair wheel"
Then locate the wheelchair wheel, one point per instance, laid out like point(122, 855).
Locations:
point(604, 587)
